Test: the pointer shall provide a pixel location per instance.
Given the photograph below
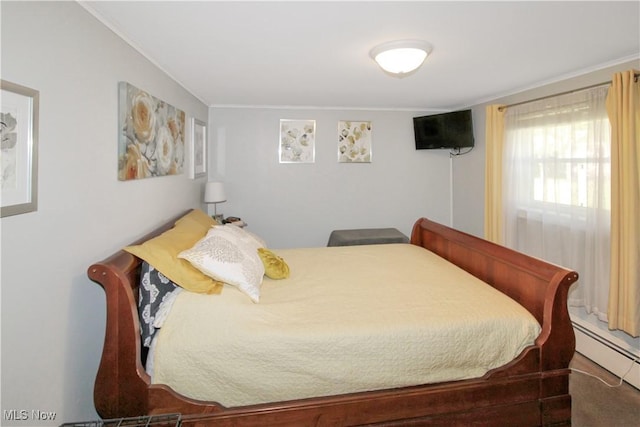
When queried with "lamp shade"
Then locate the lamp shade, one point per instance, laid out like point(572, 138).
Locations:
point(401, 57)
point(214, 192)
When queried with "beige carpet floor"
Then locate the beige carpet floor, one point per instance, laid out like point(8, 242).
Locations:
point(596, 405)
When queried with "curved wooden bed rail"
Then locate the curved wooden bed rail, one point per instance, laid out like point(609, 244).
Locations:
point(531, 390)
point(542, 287)
point(122, 385)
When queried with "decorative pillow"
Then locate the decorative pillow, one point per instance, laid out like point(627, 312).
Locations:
point(246, 236)
point(225, 257)
point(274, 266)
point(161, 252)
point(156, 294)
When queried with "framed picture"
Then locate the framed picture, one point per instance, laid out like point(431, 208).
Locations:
point(354, 142)
point(198, 167)
point(297, 141)
point(19, 131)
point(151, 135)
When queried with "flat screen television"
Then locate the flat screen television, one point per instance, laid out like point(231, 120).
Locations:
point(446, 130)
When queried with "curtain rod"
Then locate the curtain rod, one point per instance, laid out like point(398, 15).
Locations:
point(635, 75)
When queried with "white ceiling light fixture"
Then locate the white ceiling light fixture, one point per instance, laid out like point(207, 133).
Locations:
point(401, 58)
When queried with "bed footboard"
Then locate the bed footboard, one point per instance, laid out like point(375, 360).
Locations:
point(531, 390)
point(539, 286)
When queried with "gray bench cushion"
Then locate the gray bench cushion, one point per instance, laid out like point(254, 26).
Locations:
point(366, 236)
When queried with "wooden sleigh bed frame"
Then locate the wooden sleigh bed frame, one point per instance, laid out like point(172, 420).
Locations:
point(531, 390)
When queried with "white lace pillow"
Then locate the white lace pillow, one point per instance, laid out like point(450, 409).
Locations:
point(225, 255)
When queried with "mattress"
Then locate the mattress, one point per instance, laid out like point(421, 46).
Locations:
point(348, 319)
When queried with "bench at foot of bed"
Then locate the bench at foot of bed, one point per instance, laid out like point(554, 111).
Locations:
point(366, 236)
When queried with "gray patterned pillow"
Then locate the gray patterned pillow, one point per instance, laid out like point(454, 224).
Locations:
point(154, 289)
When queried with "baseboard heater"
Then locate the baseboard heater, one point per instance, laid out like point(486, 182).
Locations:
point(608, 354)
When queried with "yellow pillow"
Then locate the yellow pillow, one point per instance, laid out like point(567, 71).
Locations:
point(274, 266)
point(200, 217)
point(162, 253)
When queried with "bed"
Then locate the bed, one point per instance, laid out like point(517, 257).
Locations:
point(531, 388)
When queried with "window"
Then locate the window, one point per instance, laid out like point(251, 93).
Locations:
point(557, 187)
point(565, 173)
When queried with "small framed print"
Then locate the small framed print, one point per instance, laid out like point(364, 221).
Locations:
point(297, 141)
point(19, 132)
point(354, 142)
point(198, 149)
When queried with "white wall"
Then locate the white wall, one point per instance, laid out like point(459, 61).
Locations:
point(53, 316)
point(297, 205)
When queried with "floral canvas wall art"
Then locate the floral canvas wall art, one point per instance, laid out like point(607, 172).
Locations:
point(354, 142)
point(151, 136)
point(297, 141)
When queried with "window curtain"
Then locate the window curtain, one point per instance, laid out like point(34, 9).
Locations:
point(623, 106)
point(494, 140)
point(556, 187)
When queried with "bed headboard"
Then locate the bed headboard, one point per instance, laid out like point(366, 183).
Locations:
point(119, 275)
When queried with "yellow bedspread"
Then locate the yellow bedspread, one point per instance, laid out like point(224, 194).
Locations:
point(351, 318)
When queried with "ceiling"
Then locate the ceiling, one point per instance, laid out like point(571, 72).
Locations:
point(316, 54)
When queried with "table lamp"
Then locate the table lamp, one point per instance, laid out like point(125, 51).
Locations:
point(214, 193)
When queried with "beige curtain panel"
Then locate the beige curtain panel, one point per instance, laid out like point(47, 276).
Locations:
point(623, 107)
point(494, 141)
